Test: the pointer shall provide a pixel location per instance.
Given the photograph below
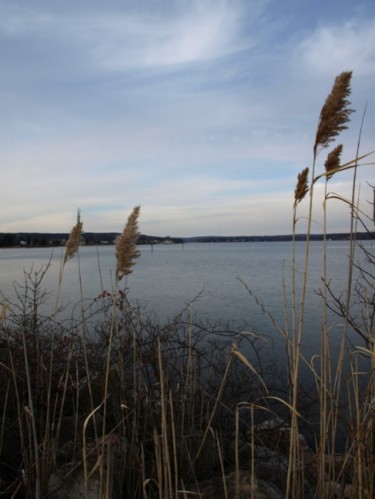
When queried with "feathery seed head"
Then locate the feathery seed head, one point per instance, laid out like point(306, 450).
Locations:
point(333, 160)
point(126, 249)
point(335, 113)
point(74, 238)
point(302, 186)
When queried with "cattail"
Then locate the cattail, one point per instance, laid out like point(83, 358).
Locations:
point(335, 112)
point(74, 239)
point(302, 186)
point(333, 160)
point(126, 249)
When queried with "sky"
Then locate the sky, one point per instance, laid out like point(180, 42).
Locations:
point(203, 112)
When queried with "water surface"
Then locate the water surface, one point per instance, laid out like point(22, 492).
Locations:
point(166, 278)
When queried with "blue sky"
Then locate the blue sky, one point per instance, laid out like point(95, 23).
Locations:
point(202, 111)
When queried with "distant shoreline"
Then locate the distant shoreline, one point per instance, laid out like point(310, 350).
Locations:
point(36, 239)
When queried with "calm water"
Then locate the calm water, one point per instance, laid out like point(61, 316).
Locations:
point(168, 278)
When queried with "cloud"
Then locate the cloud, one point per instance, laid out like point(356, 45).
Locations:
point(203, 111)
point(125, 38)
point(202, 35)
point(335, 48)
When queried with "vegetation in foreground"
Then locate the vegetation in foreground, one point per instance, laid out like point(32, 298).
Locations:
point(130, 408)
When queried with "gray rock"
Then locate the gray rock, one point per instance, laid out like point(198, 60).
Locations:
point(73, 487)
point(214, 487)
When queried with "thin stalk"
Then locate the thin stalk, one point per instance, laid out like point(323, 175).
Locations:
point(237, 454)
point(84, 344)
point(294, 443)
point(5, 402)
point(359, 454)
point(353, 228)
point(325, 383)
point(17, 395)
point(292, 341)
point(174, 445)
point(99, 269)
point(106, 378)
point(222, 469)
point(84, 449)
point(352, 244)
point(31, 412)
point(166, 463)
point(213, 411)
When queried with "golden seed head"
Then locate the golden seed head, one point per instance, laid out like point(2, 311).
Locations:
point(126, 249)
point(333, 160)
point(72, 244)
point(302, 186)
point(335, 113)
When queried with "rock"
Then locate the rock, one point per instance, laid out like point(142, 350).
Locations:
point(273, 470)
point(270, 424)
point(73, 487)
point(63, 485)
point(258, 489)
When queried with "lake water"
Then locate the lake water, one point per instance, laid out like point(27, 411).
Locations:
point(168, 277)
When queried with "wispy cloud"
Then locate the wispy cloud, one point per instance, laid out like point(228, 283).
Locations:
point(204, 32)
point(330, 48)
point(203, 112)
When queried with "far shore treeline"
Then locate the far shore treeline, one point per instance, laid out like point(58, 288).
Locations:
point(36, 239)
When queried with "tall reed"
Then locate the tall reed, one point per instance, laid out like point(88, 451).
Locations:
point(333, 119)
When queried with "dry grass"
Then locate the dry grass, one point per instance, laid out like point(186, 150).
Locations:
point(330, 377)
point(74, 239)
point(126, 248)
point(332, 162)
point(335, 113)
point(302, 186)
point(115, 396)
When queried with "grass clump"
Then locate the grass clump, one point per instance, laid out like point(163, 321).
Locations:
point(112, 402)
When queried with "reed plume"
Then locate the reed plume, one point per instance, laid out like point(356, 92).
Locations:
point(74, 239)
point(302, 186)
point(126, 249)
point(333, 161)
point(335, 112)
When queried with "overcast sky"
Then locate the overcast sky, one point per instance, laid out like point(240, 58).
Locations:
point(201, 111)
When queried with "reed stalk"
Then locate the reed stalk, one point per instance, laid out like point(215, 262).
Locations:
point(333, 119)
